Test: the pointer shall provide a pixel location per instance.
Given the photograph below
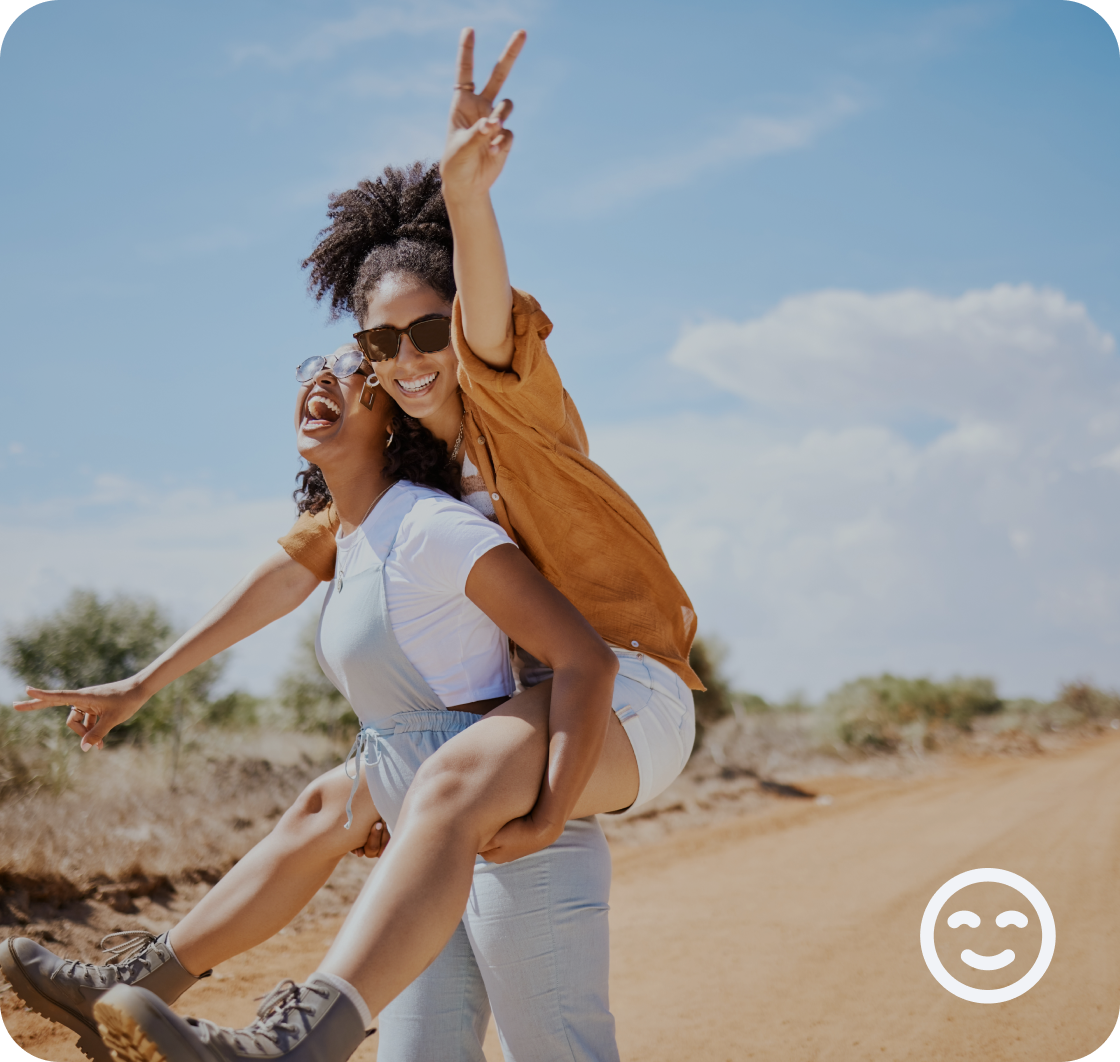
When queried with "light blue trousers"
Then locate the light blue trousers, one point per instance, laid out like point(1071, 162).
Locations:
point(532, 945)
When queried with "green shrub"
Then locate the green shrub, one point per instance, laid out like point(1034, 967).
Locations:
point(753, 704)
point(889, 712)
point(1078, 704)
point(715, 701)
point(35, 751)
point(90, 641)
point(235, 711)
point(1087, 702)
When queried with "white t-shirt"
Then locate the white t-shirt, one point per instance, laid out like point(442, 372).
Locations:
point(454, 645)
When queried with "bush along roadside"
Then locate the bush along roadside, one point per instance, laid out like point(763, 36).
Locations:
point(89, 641)
point(888, 713)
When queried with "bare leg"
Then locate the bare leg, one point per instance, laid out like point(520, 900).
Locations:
point(461, 796)
point(274, 881)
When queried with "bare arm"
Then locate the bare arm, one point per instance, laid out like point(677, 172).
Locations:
point(510, 590)
point(476, 150)
point(271, 590)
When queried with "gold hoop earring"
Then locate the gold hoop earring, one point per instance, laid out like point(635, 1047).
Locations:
point(390, 442)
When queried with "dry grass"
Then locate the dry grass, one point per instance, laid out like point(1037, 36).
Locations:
point(132, 811)
point(135, 839)
point(134, 822)
point(131, 823)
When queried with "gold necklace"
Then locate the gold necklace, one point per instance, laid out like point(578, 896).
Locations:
point(342, 568)
point(459, 437)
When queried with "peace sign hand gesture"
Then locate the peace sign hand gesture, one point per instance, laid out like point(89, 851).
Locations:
point(477, 142)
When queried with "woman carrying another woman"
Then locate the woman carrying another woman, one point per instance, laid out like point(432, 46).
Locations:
point(407, 630)
point(507, 784)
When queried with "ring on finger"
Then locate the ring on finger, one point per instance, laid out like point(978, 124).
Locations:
point(465, 86)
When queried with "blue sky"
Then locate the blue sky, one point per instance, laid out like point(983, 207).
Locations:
point(717, 203)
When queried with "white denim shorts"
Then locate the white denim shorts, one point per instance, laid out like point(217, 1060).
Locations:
point(655, 708)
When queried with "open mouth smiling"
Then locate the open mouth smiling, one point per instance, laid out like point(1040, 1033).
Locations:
point(419, 385)
point(320, 412)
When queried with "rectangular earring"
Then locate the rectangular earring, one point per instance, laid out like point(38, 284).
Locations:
point(368, 391)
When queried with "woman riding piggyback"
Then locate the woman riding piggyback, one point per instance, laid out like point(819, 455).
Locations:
point(500, 405)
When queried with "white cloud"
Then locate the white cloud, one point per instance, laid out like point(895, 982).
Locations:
point(183, 547)
point(1108, 460)
point(815, 534)
point(910, 351)
point(375, 22)
point(822, 541)
point(751, 136)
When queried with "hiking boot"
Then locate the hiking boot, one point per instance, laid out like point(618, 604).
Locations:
point(295, 1023)
point(65, 990)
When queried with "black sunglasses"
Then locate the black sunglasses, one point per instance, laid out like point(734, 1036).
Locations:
point(381, 344)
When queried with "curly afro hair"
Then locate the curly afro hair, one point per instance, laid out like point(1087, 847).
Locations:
point(414, 454)
point(395, 224)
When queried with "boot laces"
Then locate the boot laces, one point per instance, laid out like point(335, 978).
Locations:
point(285, 1000)
point(273, 1017)
point(126, 955)
point(135, 942)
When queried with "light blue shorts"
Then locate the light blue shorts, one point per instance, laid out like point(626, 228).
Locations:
point(532, 945)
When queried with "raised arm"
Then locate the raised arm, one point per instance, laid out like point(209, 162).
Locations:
point(271, 590)
point(476, 150)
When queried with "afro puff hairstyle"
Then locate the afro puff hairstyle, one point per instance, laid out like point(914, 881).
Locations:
point(395, 224)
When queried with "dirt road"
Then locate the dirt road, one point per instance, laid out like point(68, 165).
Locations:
point(793, 934)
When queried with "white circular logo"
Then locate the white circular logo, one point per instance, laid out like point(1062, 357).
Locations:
point(987, 995)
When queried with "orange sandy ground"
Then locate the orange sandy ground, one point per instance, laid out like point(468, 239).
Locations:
point(792, 934)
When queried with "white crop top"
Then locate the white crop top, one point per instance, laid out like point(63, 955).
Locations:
point(454, 645)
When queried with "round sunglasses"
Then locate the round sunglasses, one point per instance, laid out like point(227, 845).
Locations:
point(339, 365)
point(427, 336)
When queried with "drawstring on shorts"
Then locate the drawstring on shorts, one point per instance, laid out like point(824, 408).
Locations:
point(416, 720)
point(357, 751)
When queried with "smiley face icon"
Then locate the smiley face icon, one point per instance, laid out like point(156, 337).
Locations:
point(1027, 923)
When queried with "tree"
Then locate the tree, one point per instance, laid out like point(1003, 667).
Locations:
point(89, 641)
point(715, 701)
